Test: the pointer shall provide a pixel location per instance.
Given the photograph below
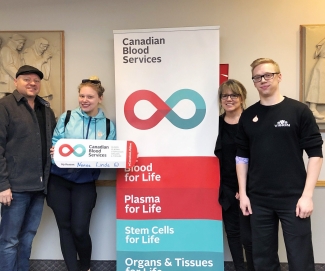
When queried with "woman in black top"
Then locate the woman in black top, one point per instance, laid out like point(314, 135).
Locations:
point(232, 96)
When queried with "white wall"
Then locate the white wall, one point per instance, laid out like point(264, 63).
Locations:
point(248, 30)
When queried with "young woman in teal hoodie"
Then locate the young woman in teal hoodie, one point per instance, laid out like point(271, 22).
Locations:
point(72, 192)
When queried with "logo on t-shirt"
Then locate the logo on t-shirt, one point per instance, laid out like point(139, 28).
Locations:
point(282, 123)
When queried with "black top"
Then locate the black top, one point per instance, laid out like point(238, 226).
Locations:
point(228, 164)
point(225, 150)
point(273, 138)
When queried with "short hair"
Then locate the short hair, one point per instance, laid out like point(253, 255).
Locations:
point(96, 86)
point(260, 61)
point(236, 87)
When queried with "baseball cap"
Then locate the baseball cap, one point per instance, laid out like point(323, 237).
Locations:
point(26, 69)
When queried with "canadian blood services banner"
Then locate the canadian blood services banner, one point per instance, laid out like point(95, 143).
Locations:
point(168, 216)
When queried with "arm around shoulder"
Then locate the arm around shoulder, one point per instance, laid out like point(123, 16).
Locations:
point(59, 129)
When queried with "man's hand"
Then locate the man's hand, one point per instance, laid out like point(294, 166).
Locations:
point(305, 207)
point(245, 205)
point(6, 197)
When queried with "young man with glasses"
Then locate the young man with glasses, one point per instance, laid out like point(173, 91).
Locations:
point(271, 138)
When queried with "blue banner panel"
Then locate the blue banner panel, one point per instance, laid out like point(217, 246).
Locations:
point(170, 235)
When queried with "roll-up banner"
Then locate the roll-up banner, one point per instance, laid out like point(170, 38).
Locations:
point(168, 216)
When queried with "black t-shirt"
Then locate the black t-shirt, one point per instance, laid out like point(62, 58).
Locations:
point(273, 138)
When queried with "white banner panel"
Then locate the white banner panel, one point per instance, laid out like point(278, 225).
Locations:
point(168, 216)
point(170, 60)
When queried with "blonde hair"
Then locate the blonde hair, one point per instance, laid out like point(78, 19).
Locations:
point(260, 61)
point(94, 83)
point(236, 87)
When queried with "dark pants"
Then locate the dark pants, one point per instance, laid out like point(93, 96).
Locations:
point(296, 234)
point(72, 205)
point(238, 230)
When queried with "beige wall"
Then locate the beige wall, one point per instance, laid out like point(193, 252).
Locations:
point(248, 30)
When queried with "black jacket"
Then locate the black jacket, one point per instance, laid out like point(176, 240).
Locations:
point(21, 167)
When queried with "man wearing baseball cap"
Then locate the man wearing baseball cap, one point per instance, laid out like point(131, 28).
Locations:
point(26, 126)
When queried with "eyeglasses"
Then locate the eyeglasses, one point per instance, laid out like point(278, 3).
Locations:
point(267, 76)
point(90, 81)
point(231, 96)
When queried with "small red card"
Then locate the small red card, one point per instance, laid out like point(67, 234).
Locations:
point(224, 71)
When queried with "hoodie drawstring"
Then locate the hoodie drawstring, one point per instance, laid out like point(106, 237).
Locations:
point(88, 128)
point(83, 127)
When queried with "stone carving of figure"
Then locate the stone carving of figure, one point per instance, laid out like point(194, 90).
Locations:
point(38, 56)
point(316, 89)
point(10, 62)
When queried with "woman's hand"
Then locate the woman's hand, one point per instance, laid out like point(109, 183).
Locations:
point(237, 196)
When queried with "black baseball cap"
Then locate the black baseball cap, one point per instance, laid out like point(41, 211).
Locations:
point(26, 69)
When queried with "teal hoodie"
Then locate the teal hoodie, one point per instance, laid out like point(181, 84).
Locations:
point(82, 126)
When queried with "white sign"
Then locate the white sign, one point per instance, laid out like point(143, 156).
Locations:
point(85, 153)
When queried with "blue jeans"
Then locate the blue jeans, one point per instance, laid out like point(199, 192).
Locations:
point(18, 226)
